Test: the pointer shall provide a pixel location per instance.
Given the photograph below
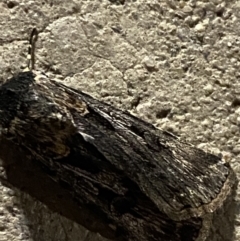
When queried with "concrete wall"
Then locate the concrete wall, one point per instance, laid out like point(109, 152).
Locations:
point(172, 63)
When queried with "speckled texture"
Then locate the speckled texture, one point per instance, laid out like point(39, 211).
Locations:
point(173, 63)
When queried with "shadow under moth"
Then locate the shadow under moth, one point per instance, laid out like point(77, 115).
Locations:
point(141, 182)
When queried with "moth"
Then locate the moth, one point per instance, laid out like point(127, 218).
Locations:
point(143, 182)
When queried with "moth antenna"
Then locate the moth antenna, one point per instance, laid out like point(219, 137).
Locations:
point(31, 49)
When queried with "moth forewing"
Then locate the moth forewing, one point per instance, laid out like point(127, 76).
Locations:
point(141, 180)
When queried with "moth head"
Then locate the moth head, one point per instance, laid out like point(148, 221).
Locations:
point(12, 94)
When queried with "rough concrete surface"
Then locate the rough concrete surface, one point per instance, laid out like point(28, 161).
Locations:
point(172, 63)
